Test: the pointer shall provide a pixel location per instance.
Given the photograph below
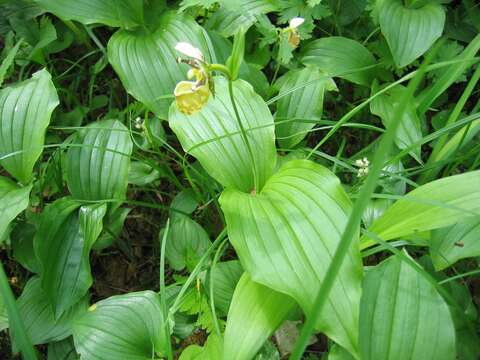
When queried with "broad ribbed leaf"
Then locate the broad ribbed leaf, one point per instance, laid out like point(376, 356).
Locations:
point(62, 350)
point(297, 111)
point(213, 136)
point(37, 315)
point(408, 131)
point(26, 108)
point(124, 13)
point(98, 161)
point(434, 205)
point(127, 327)
point(186, 242)
point(286, 235)
point(13, 200)
point(234, 15)
point(337, 56)
point(62, 245)
point(225, 276)
point(410, 31)
point(450, 244)
point(255, 313)
point(403, 316)
point(147, 62)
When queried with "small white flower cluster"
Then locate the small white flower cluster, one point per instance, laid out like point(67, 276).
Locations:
point(362, 165)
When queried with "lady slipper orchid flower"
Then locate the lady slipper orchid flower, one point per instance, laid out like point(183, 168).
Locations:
point(293, 34)
point(191, 96)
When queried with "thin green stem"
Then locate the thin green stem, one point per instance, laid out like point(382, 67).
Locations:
point(351, 230)
point(176, 305)
point(163, 293)
point(17, 327)
point(211, 287)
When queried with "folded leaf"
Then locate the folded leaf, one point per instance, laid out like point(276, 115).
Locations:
point(297, 111)
point(342, 57)
point(13, 200)
point(124, 13)
point(213, 136)
point(286, 236)
point(146, 62)
point(410, 31)
point(225, 276)
point(62, 245)
point(38, 317)
point(98, 161)
point(128, 327)
point(62, 350)
point(186, 243)
point(450, 244)
point(434, 205)
point(408, 131)
point(255, 313)
point(403, 316)
point(26, 108)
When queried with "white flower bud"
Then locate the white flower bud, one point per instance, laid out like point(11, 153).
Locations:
point(296, 22)
point(189, 50)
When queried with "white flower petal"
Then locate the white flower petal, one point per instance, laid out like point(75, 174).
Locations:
point(296, 22)
point(189, 50)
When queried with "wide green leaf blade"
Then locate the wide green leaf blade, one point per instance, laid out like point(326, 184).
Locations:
point(187, 241)
point(214, 137)
point(408, 131)
point(26, 108)
point(98, 161)
point(36, 312)
point(342, 57)
point(123, 13)
point(459, 241)
point(403, 316)
point(13, 200)
point(127, 327)
point(297, 111)
point(431, 206)
point(62, 350)
point(212, 350)
point(146, 62)
point(62, 245)
point(286, 236)
point(410, 31)
point(225, 276)
point(255, 313)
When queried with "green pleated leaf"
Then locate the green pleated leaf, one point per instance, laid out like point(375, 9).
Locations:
point(410, 31)
point(146, 62)
point(336, 56)
point(297, 111)
point(38, 317)
point(234, 15)
point(225, 276)
point(187, 241)
point(127, 327)
point(450, 244)
point(62, 245)
point(98, 161)
point(403, 316)
point(26, 108)
point(285, 238)
point(255, 313)
point(213, 136)
point(408, 131)
point(123, 13)
point(62, 350)
point(431, 206)
point(13, 200)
